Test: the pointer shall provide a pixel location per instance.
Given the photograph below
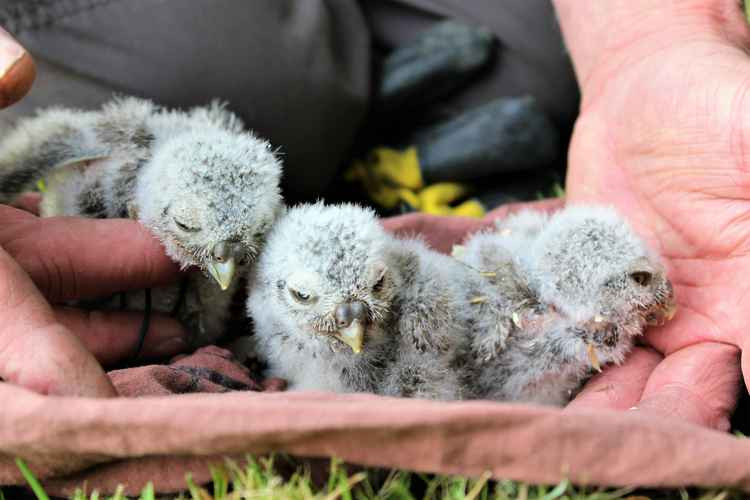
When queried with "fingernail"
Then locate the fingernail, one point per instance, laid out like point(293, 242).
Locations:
point(633, 408)
point(170, 347)
point(10, 52)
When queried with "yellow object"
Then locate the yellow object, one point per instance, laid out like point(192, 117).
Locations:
point(41, 185)
point(392, 177)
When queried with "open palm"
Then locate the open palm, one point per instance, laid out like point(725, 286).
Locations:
point(664, 135)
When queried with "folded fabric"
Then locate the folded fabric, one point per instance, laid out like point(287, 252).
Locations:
point(182, 417)
point(161, 438)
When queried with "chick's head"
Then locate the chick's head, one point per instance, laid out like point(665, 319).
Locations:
point(590, 265)
point(211, 196)
point(329, 280)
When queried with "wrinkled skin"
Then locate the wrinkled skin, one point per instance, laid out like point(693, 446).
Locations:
point(57, 350)
point(664, 136)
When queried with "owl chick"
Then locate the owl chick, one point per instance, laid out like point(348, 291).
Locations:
point(586, 287)
point(206, 189)
point(340, 305)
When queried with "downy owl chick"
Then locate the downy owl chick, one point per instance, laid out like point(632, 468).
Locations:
point(593, 287)
point(206, 189)
point(340, 305)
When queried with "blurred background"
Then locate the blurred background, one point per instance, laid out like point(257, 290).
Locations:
point(440, 106)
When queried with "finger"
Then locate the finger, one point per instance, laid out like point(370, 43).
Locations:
point(548, 206)
point(28, 202)
point(113, 336)
point(441, 232)
point(698, 383)
point(35, 351)
point(745, 361)
point(619, 387)
point(76, 258)
point(17, 71)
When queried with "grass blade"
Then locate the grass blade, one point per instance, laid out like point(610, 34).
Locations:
point(558, 491)
point(33, 482)
point(479, 486)
point(148, 492)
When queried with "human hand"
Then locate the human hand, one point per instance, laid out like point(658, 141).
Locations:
point(53, 349)
point(441, 232)
point(664, 136)
point(17, 70)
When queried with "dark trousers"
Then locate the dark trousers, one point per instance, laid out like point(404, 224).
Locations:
point(298, 71)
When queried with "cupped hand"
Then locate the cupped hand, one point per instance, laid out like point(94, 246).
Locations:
point(44, 263)
point(664, 136)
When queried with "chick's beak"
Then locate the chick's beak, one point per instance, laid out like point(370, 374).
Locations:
point(222, 272)
point(352, 335)
point(222, 264)
point(351, 318)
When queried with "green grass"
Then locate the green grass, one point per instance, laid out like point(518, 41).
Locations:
point(556, 190)
point(259, 479)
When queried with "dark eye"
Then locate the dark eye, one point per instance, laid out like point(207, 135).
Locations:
point(301, 297)
point(378, 286)
point(185, 227)
point(643, 278)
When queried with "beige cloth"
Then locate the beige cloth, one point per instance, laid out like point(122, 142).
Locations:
point(161, 438)
point(182, 417)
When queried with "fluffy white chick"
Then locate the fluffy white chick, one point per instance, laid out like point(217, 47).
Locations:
point(592, 287)
point(340, 305)
point(205, 188)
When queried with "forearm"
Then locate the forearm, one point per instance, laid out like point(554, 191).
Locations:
point(606, 34)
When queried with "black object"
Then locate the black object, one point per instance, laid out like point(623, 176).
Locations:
point(504, 135)
point(296, 71)
point(437, 62)
point(145, 324)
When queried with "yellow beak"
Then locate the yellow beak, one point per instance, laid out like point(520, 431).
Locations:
point(352, 335)
point(222, 272)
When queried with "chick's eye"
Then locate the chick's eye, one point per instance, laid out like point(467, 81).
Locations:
point(643, 278)
point(185, 227)
point(301, 297)
point(378, 286)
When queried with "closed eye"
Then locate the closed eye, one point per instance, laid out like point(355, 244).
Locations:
point(185, 227)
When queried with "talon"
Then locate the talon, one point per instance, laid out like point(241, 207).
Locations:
point(516, 320)
point(670, 312)
point(590, 350)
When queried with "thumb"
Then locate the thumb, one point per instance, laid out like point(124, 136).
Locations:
point(17, 71)
point(698, 383)
point(36, 351)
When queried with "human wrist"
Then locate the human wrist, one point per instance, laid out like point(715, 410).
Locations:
point(602, 36)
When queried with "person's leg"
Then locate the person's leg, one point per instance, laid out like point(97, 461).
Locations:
point(532, 59)
point(298, 71)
